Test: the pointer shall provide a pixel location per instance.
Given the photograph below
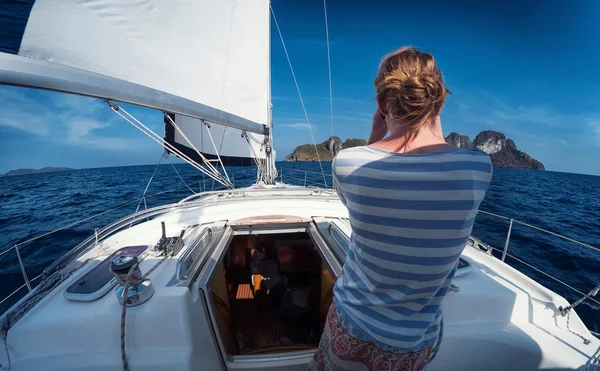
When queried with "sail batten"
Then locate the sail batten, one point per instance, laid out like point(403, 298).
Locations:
point(201, 59)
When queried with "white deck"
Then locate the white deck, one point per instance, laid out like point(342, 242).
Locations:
point(500, 319)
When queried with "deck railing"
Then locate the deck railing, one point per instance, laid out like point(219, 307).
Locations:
point(89, 242)
point(146, 214)
point(504, 251)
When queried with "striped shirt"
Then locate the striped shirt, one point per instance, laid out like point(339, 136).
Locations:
point(411, 217)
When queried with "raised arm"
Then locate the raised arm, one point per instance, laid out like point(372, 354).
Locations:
point(379, 128)
point(336, 184)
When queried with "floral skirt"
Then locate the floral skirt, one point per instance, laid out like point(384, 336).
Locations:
point(339, 350)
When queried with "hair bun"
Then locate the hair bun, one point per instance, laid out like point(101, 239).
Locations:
point(434, 89)
point(410, 86)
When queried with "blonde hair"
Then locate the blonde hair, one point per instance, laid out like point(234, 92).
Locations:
point(410, 87)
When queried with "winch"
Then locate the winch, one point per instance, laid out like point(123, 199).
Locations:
point(140, 289)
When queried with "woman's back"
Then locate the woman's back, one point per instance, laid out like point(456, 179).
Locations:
point(412, 201)
point(411, 217)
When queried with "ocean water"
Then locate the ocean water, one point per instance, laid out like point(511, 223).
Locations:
point(568, 204)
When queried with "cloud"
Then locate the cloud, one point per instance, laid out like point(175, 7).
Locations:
point(63, 118)
point(539, 125)
point(594, 127)
point(25, 121)
point(535, 115)
point(80, 133)
point(78, 104)
point(106, 143)
point(297, 125)
point(19, 111)
point(81, 127)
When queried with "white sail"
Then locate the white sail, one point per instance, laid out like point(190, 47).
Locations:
point(211, 52)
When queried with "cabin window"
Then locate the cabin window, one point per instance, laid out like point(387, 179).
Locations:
point(336, 231)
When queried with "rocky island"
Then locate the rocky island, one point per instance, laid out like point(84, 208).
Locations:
point(36, 171)
point(502, 151)
point(306, 152)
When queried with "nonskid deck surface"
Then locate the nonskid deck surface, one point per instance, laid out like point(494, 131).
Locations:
point(259, 325)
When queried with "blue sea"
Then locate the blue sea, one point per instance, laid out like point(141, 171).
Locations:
point(567, 204)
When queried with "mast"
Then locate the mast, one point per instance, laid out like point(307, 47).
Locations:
point(270, 169)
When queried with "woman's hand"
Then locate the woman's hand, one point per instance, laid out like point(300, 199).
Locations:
point(379, 128)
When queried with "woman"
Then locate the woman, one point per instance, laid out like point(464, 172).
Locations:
point(412, 201)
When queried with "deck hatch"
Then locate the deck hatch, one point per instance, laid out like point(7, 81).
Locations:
point(99, 280)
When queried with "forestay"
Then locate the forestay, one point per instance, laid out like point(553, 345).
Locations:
point(211, 52)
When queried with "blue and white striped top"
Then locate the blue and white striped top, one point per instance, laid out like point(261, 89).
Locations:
point(411, 217)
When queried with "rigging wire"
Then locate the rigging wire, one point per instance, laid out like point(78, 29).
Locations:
point(206, 162)
point(207, 126)
point(84, 220)
point(177, 172)
point(152, 135)
point(148, 185)
point(329, 70)
point(261, 170)
point(299, 95)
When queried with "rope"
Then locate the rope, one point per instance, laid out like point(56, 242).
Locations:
point(217, 176)
point(155, 137)
point(7, 354)
point(329, 67)
point(40, 292)
point(586, 341)
point(19, 289)
point(299, 95)
point(152, 135)
point(256, 159)
point(215, 148)
point(133, 278)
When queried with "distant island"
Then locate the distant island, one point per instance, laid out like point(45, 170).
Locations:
point(36, 171)
point(502, 151)
point(306, 152)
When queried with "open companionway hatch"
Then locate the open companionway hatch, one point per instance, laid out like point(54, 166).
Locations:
point(269, 289)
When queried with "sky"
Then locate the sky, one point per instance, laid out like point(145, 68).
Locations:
point(528, 69)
